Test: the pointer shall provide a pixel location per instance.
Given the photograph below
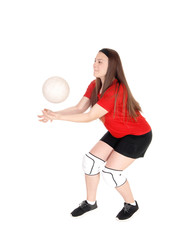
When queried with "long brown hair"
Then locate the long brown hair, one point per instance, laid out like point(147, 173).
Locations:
point(115, 70)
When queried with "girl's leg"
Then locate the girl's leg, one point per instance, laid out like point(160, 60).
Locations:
point(103, 151)
point(125, 192)
point(117, 161)
point(91, 186)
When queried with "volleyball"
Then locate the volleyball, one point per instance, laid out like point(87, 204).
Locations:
point(55, 89)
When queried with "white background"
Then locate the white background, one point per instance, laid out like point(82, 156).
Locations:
point(41, 178)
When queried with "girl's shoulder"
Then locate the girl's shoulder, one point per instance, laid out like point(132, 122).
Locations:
point(92, 83)
point(115, 87)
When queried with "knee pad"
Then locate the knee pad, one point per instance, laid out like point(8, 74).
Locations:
point(92, 165)
point(113, 177)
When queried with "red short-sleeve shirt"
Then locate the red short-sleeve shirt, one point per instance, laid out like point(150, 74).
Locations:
point(115, 122)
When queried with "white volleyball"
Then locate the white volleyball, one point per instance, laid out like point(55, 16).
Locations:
point(55, 89)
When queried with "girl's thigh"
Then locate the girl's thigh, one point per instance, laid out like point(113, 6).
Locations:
point(101, 150)
point(118, 161)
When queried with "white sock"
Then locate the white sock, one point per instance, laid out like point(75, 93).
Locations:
point(91, 203)
point(134, 203)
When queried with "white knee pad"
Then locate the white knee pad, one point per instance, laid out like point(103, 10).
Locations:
point(91, 164)
point(113, 177)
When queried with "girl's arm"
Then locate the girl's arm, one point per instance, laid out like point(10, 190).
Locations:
point(96, 112)
point(81, 107)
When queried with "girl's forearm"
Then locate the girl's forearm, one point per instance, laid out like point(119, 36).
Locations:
point(70, 111)
point(82, 117)
point(95, 113)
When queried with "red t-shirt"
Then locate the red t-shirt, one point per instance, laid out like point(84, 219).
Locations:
point(116, 123)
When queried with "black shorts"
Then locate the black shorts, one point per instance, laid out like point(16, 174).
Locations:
point(131, 145)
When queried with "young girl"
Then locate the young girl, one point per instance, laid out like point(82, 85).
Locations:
point(128, 136)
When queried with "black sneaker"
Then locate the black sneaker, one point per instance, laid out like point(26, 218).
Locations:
point(127, 211)
point(83, 208)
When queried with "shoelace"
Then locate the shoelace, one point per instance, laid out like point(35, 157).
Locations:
point(126, 208)
point(83, 204)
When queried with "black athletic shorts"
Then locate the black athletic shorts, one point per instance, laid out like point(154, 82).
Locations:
point(131, 145)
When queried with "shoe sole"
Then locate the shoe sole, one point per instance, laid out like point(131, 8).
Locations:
point(83, 215)
point(128, 219)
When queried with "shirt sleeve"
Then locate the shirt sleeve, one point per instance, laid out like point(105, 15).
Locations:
point(89, 90)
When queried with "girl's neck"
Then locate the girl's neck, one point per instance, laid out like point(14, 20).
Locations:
point(102, 80)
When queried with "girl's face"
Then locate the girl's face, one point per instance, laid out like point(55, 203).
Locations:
point(100, 65)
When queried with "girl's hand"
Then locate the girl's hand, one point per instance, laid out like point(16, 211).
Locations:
point(48, 111)
point(48, 115)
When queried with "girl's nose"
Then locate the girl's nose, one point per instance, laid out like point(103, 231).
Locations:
point(94, 65)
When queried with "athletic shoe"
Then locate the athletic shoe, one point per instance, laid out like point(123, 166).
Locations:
point(127, 211)
point(83, 208)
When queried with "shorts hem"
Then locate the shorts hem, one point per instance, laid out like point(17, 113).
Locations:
point(128, 155)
